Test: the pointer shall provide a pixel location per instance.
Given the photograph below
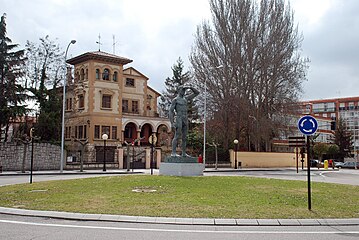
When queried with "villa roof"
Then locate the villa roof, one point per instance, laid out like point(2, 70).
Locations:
point(100, 56)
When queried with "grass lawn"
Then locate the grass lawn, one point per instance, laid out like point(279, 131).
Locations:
point(200, 197)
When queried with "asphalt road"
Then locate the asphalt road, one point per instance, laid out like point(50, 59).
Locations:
point(18, 227)
point(342, 176)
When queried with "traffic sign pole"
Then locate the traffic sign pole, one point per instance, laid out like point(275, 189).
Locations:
point(308, 173)
point(308, 125)
point(296, 157)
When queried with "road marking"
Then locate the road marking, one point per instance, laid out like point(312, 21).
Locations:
point(173, 230)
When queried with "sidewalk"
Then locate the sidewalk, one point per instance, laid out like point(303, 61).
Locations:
point(72, 172)
point(180, 221)
point(143, 171)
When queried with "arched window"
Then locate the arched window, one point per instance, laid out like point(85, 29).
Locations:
point(106, 74)
point(130, 132)
point(115, 76)
point(97, 73)
point(82, 74)
point(87, 74)
point(77, 76)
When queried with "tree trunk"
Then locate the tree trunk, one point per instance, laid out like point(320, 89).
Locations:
point(24, 159)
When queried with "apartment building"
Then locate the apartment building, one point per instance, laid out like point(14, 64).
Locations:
point(327, 112)
point(346, 109)
point(106, 97)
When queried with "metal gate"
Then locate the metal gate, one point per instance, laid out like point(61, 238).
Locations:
point(137, 158)
point(223, 157)
point(110, 154)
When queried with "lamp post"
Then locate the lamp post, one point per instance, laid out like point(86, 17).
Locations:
point(104, 137)
point(63, 111)
point(205, 117)
point(32, 153)
point(235, 152)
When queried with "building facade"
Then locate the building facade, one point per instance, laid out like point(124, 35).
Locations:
point(104, 97)
point(346, 109)
point(327, 112)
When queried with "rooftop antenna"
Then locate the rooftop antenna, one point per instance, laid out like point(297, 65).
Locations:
point(99, 42)
point(114, 44)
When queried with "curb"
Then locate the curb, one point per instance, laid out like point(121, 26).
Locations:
point(180, 221)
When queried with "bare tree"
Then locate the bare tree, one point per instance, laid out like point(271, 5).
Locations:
point(44, 68)
point(259, 48)
point(45, 71)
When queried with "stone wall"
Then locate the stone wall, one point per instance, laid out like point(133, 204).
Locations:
point(46, 156)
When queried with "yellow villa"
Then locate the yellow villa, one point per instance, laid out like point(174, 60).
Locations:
point(104, 97)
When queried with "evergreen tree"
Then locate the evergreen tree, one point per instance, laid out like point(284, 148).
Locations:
point(48, 127)
point(343, 139)
point(179, 78)
point(12, 94)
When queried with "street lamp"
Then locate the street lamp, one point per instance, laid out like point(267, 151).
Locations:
point(205, 116)
point(63, 111)
point(235, 152)
point(104, 137)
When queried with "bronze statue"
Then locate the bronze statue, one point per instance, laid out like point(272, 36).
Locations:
point(180, 123)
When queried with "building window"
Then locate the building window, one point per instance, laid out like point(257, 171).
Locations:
point(77, 76)
point(110, 131)
point(82, 76)
point(97, 73)
point(87, 74)
point(106, 129)
point(106, 74)
point(115, 77)
point(135, 106)
point(76, 132)
point(97, 132)
point(114, 132)
point(81, 100)
point(342, 106)
point(128, 132)
point(67, 132)
point(81, 132)
point(68, 104)
point(130, 82)
point(85, 131)
point(124, 105)
point(351, 106)
point(106, 101)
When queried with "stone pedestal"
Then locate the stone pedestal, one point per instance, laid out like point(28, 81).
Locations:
point(181, 166)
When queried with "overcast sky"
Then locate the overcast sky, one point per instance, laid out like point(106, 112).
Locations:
point(155, 33)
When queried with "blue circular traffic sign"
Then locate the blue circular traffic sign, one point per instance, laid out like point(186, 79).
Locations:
point(307, 125)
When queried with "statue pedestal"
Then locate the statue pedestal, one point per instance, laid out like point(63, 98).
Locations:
point(181, 166)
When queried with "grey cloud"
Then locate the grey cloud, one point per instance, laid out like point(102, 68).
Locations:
point(333, 49)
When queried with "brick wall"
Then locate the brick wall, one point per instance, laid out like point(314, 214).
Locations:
point(46, 156)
